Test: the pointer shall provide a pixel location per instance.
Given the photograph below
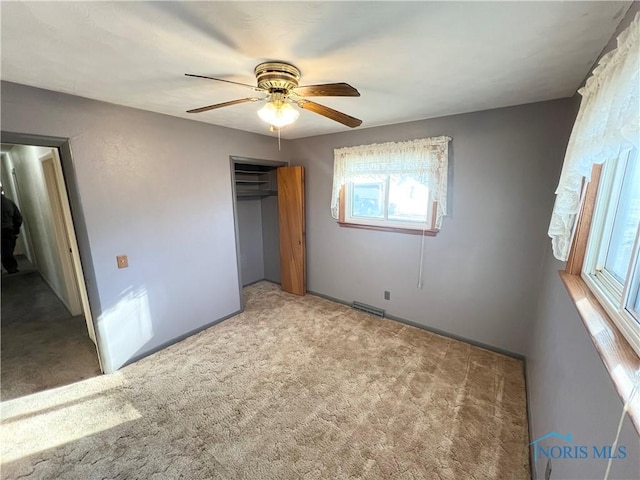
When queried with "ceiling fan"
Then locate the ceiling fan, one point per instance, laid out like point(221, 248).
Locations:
point(279, 81)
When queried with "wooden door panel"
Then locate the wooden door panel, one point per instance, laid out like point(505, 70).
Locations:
point(292, 229)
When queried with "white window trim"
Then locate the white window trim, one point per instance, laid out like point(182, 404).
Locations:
point(620, 316)
point(614, 299)
point(386, 223)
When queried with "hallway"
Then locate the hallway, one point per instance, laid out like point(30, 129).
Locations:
point(42, 346)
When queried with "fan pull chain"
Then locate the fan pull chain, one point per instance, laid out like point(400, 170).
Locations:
point(273, 129)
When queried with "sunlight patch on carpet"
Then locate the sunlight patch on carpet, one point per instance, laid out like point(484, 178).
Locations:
point(48, 419)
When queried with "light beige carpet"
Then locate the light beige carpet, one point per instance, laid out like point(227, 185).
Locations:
point(293, 388)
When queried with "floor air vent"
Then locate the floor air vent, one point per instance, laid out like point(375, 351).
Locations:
point(363, 307)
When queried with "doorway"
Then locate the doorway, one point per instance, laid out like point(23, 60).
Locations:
point(270, 223)
point(256, 215)
point(48, 336)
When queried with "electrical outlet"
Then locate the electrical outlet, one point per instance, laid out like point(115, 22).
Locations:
point(547, 471)
point(387, 295)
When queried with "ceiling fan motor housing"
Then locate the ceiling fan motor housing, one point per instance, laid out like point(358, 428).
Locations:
point(277, 76)
point(279, 80)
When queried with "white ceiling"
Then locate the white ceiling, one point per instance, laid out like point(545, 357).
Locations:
point(409, 60)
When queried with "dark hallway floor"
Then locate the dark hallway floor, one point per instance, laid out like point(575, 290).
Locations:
point(42, 345)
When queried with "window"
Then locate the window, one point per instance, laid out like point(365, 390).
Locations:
point(594, 224)
point(392, 186)
point(399, 201)
point(597, 233)
point(612, 261)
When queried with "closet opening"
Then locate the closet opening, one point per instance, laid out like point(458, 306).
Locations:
point(269, 219)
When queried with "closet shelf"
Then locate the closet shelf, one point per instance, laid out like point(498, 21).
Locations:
point(255, 193)
point(251, 172)
point(252, 181)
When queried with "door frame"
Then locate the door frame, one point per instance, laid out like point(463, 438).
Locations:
point(63, 232)
point(76, 227)
point(233, 159)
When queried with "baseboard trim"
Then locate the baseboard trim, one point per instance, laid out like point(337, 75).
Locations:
point(253, 283)
point(265, 279)
point(432, 330)
point(532, 466)
point(179, 338)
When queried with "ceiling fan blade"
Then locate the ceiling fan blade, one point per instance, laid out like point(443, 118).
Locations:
point(225, 104)
point(327, 90)
point(340, 117)
point(226, 81)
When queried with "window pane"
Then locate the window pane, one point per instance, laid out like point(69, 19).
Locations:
point(408, 199)
point(367, 200)
point(634, 293)
point(625, 224)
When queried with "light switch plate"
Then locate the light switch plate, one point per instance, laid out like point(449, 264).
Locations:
point(123, 261)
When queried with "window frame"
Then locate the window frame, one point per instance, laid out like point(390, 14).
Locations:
point(385, 222)
point(428, 230)
point(620, 359)
point(613, 295)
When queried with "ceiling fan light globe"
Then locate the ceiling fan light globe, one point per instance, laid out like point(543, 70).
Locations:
point(278, 114)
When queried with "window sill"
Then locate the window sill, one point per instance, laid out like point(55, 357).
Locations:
point(426, 233)
point(620, 360)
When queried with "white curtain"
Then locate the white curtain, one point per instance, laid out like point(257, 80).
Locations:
point(607, 125)
point(426, 158)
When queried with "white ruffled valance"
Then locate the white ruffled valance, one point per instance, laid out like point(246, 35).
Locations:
point(607, 125)
point(425, 158)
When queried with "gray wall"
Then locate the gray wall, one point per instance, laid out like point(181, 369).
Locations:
point(483, 268)
point(158, 189)
point(271, 239)
point(569, 389)
point(250, 240)
point(259, 239)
